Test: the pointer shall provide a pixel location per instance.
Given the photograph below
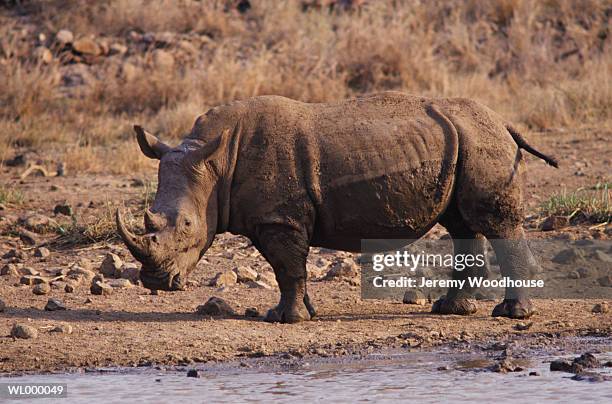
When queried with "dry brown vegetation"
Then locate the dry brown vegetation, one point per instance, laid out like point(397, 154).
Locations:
point(543, 64)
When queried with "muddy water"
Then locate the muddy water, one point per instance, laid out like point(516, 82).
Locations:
point(378, 378)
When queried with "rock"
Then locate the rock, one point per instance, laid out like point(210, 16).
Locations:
point(120, 283)
point(78, 273)
point(534, 373)
point(42, 252)
point(69, 288)
point(16, 255)
point(506, 365)
point(62, 328)
point(64, 37)
point(9, 270)
point(215, 306)
point(38, 223)
point(24, 331)
point(54, 305)
point(193, 373)
point(587, 272)
point(41, 289)
point(117, 49)
point(63, 209)
point(587, 361)
point(162, 59)
point(28, 237)
point(111, 266)
point(31, 280)
point(602, 256)
point(414, 296)
point(29, 271)
point(314, 272)
point(601, 308)
point(605, 280)
point(17, 161)
point(560, 365)
point(554, 223)
point(42, 55)
point(3, 306)
point(131, 272)
point(267, 278)
point(245, 274)
point(345, 269)
point(258, 285)
point(86, 46)
point(100, 288)
point(568, 256)
point(251, 312)
point(523, 326)
point(227, 278)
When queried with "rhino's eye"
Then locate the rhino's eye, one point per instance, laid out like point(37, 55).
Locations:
point(187, 222)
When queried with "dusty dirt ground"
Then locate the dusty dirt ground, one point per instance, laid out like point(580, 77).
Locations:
point(132, 327)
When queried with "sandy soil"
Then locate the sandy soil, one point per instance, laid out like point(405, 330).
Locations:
point(132, 327)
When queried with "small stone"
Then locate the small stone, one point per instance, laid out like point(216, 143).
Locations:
point(534, 374)
point(131, 272)
point(117, 49)
point(38, 223)
point(42, 252)
point(63, 209)
point(215, 306)
point(601, 308)
point(100, 288)
point(69, 288)
point(41, 289)
point(605, 281)
point(226, 278)
point(62, 328)
point(54, 305)
point(602, 256)
point(29, 271)
point(9, 270)
point(64, 37)
point(251, 312)
point(120, 283)
point(554, 223)
point(414, 296)
point(193, 373)
point(560, 365)
point(28, 237)
point(2, 306)
point(245, 274)
point(343, 269)
point(43, 55)
point(523, 326)
point(24, 331)
point(587, 272)
point(111, 266)
point(162, 59)
point(15, 254)
point(258, 285)
point(86, 46)
point(568, 256)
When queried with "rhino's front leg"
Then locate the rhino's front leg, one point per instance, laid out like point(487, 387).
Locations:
point(286, 250)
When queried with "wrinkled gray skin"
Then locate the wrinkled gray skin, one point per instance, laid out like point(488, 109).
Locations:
point(290, 175)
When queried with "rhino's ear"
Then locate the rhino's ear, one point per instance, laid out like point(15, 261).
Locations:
point(210, 153)
point(151, 146)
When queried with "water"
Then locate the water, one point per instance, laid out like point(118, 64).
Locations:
point(412, 376)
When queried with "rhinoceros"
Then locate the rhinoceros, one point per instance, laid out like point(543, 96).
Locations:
point(289, 175)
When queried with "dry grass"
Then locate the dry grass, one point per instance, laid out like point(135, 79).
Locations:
point(543, 64)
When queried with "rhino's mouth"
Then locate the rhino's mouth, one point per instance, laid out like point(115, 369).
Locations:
point(160, 280)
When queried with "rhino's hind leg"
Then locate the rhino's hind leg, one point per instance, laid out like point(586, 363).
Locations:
point(286, 250)
point(516, 262)
point(460, 300)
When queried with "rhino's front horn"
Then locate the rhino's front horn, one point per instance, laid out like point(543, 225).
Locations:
point(138, 245)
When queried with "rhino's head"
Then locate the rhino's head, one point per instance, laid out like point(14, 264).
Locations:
point(182, 221)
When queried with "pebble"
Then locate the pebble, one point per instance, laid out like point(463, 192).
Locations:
point(86, 46)
point(24, 331)
point(41, 289)
point(193, 373)
point(111, 266)
point(2, 306)
point(10, 270)
point(101, 288)
point(215, 306)
point(258, 285)
point(130, 271)
point(414, 297)
point(42, 252)
point(63, 209)
point(69, 288)
point(554, 223)
point(226, 278)
point(601, 308)
point(54, 305)
point(245, 274)
point(64, 37)
point(62, 328)
point(251, 312)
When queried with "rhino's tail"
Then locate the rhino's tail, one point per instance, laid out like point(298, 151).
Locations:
point(522, 144)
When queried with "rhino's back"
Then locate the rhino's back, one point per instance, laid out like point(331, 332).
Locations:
point(377, 166)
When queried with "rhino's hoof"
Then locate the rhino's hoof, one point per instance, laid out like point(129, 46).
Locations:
point(514, 308)
point(281, 314)
point(462, 307)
